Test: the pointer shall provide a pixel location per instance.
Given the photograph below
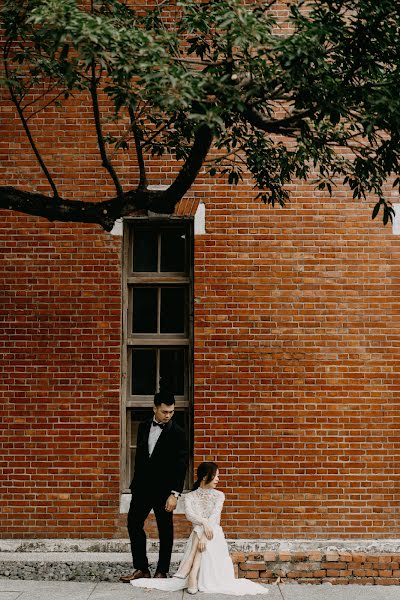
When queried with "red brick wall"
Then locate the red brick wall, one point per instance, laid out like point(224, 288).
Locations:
point(60, 348)
point(296, 363)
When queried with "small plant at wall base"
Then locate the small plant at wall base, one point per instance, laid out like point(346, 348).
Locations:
point(313, 96)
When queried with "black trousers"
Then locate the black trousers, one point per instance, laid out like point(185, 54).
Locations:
point(139, 510)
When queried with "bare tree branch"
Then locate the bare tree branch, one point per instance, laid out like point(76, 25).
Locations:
point(139, 151)
point(38, 110)
point(26, 127)
point(42, 95)
point(100, 139)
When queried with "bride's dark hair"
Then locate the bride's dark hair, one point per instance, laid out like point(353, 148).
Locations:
point(206, 470)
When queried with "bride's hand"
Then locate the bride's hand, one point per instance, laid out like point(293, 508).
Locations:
point(202, 544)
point(208, 532)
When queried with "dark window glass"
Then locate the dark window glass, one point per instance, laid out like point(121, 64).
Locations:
point(173, 243)
point(145, 250)
point(144, 310)
point(172, 365)
point(172, 310)
point(144, 369)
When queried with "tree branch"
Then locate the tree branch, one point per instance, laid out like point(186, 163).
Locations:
point(139, 150)
point(26, 128)
point(76, 211)
point(287, 126)
point(42, 95)
point(100, 139)
point(191, 168)
point(38, 110)
point(107, 212)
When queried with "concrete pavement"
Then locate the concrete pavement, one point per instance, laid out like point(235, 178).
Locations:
point(15, 589)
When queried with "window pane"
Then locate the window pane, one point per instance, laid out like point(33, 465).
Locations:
point(137, 415)
point(173, 244)
point(173, 310)
point(144, 371)
point(172, 364)
point(144, 310)
point(145, 250)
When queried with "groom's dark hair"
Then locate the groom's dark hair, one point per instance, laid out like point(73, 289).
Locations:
point(164, 398)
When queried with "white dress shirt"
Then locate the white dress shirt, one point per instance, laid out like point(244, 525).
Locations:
point(154, 434)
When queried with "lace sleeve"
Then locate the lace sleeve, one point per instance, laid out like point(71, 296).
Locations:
point(190, 513)
point(215, 516)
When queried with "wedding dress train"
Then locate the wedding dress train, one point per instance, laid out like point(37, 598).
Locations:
point(216, 573)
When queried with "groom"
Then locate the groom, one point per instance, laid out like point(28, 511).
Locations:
point(159, 474)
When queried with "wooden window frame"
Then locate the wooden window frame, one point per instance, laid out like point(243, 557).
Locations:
point(130, 340)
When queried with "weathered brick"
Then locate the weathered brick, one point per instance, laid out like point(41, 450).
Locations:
point(270, 556)
point(332, 556)
point(252, 566)
point(285, 556)
point(237, 557)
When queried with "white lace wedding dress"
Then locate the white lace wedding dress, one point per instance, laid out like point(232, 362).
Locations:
point(216, 573)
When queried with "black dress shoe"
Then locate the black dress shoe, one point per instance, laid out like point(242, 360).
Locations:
point(159, 575)
point(138, 574)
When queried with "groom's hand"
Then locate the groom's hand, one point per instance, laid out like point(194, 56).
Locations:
point(171, 503)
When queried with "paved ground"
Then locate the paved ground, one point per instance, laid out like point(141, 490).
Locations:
point(70, 590)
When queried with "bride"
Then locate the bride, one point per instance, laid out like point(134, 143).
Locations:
point(206, 565)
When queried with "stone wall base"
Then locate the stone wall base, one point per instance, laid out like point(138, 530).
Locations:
point(365, 562)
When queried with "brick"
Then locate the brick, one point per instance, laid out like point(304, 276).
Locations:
point(299, 556)
point(319, 573)
point(270, 556)
point(359, 557)
point(332, 556)
point(315, 555)
point(384, 573)
point(237, 557)
point(285, 556)
point(387, 581)
point(252, 566)
point(267, 574)
point(345, 556)
point(333, 565)
point(252, 574)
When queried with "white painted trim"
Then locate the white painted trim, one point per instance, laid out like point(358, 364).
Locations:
point(200, 220)
point(118, 228)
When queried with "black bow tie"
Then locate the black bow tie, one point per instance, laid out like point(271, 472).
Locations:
point(160, 425)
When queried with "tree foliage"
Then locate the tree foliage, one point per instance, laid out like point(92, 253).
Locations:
point(315, 96)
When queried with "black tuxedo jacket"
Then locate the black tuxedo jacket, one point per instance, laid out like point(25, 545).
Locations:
point(163, 471)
